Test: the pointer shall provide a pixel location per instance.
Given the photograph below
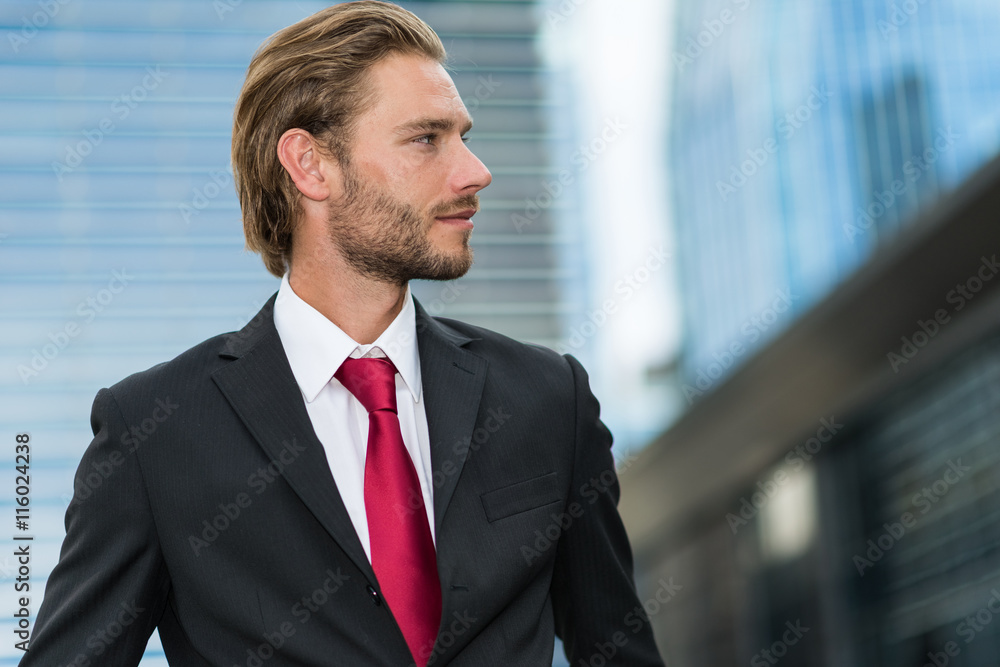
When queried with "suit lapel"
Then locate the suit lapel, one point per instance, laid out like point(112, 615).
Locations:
point(262, 390)
point(453, 380)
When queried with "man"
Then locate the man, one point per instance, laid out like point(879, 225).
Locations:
point(348, 481)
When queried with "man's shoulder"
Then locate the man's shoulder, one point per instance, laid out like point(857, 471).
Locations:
point(191, 370)
point(499, 347)
point(187, 372)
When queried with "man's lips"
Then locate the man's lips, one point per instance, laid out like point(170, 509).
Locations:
point(461, 217)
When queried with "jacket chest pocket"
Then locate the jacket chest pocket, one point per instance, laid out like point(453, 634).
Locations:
point(522, 497)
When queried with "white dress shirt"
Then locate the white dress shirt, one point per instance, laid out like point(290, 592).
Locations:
point(316, 347)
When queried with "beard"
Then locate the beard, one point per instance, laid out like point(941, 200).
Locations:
point(386, 239)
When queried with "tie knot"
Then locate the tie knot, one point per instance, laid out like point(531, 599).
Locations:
point(372, 381)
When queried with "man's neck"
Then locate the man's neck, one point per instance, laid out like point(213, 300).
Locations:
point(363, 308)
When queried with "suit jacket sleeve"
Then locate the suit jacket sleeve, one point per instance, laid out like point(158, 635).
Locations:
point(107, 593)
point(596, 609)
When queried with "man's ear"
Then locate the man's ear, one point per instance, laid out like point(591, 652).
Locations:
point(317, 176)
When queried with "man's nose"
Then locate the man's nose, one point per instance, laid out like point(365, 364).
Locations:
point(470, 175)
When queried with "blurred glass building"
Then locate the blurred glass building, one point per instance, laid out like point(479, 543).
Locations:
point(804, 137)
point(831, 495)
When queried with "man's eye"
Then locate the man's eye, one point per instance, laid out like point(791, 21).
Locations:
point(426, 139)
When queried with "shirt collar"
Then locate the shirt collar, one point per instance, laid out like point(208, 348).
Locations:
point(316, 347)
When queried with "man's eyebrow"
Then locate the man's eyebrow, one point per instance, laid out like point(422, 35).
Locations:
point(432, 125)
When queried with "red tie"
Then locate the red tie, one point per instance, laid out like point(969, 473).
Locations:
point(402, 551)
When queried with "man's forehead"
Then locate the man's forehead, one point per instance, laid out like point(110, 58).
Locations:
point(416, 91)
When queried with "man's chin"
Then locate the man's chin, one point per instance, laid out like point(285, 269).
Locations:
point(447, 267)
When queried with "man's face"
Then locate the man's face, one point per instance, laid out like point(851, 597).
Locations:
point(410, 182)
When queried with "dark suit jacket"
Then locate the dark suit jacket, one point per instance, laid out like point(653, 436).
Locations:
point(205, 507)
